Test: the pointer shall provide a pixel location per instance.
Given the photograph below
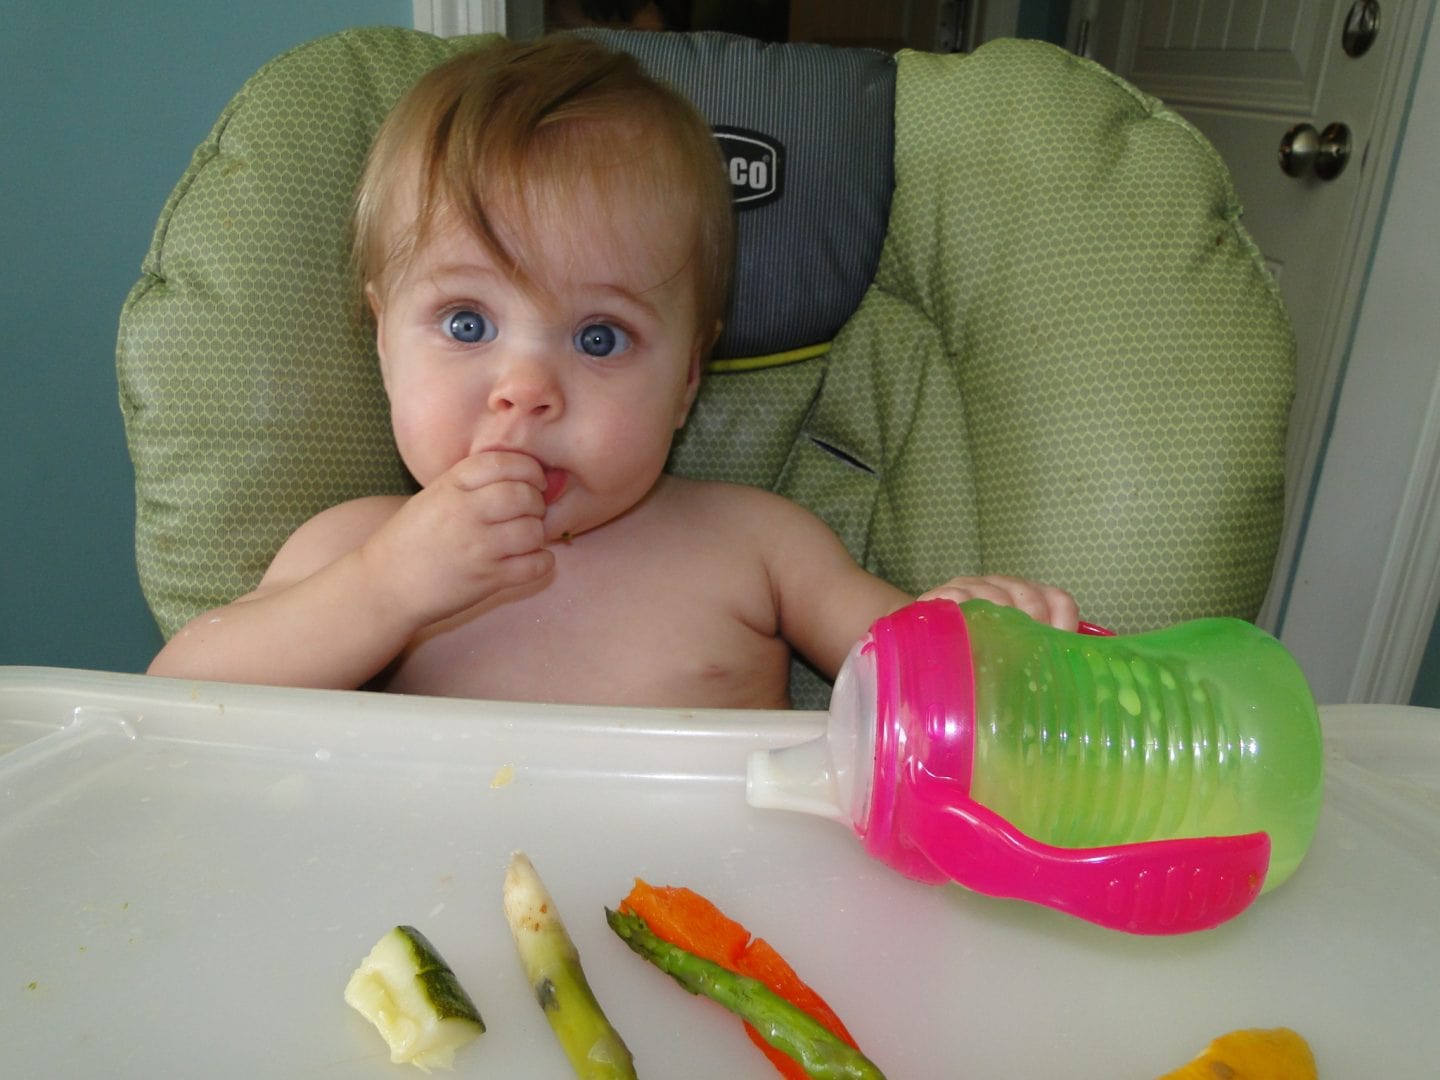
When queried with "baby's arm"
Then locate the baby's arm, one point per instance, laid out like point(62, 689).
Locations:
point(827, 602)
point(354, 585)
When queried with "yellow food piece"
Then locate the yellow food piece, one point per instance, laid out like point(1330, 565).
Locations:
point(1251, 1054)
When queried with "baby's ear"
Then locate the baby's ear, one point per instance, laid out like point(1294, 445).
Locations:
point(698, 355)
point(692, 387)
point(377, 309)
point(704, 346)
point(701, 355)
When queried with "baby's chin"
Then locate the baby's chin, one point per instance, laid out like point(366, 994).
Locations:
point(559, 535)
point(562, 525)
point(566, 521)
point(580, 510)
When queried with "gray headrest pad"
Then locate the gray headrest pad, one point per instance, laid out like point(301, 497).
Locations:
point(809, 132)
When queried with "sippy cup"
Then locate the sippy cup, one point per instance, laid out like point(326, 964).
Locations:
point(1154, 783)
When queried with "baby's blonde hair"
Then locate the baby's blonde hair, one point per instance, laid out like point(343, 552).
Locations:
point(503, 139)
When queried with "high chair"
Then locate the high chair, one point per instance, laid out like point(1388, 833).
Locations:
point(993, 312)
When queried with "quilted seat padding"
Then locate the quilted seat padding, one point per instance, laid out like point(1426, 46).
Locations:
point(1071, 364)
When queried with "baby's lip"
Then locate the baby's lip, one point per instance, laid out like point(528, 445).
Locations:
point(555, 481)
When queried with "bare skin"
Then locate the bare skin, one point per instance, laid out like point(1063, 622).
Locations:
point(694, 598)
point(546, 556)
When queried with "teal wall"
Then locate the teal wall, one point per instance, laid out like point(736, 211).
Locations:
point(101, 105)
point(1043, 20)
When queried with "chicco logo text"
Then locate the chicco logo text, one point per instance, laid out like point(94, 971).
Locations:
point(756, 165)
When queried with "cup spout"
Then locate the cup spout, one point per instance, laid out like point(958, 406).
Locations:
point(800, 778)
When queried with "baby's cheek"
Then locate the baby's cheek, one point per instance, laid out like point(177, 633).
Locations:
point(406, 443)
point(429, 436)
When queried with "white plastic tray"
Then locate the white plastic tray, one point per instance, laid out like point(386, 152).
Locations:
point(188, 874)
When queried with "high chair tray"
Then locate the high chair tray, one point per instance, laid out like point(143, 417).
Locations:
point(189, 873)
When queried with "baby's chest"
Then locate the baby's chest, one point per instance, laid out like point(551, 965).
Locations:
point(676, 641)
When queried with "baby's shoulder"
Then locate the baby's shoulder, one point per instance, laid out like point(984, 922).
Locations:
point(740, 511)
point(351, 522)
point(720, 503)
point(330, 534)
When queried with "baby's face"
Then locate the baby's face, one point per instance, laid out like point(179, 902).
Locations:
point(591, 376)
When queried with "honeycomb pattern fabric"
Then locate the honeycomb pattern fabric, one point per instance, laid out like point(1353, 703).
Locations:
point(248, 376)
point(1118, 364)
point(1071, 364)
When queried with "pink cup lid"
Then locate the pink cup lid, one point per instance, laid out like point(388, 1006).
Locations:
point(924, 714)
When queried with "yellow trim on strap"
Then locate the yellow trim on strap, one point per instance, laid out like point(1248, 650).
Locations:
point(756, 363)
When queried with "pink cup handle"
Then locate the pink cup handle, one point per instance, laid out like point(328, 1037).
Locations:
point(1153, 887)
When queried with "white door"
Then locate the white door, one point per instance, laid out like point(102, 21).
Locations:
point(1247, 73)
point(519, 19)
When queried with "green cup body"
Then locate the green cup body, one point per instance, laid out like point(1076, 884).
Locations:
point(1207, 728)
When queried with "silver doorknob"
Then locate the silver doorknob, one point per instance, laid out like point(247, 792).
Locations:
point(1325, 153)
point(1362, 26)
point(1298, 150)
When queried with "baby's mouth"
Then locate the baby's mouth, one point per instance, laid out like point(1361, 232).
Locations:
point(555, 481)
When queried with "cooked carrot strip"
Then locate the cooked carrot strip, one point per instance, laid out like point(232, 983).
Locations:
point(683, 917)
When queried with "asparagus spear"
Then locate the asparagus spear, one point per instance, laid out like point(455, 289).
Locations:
point(784, 1026)
point(552, 964)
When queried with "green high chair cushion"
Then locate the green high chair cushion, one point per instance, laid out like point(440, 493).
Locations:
point(1074, 363)
point(1071, 363)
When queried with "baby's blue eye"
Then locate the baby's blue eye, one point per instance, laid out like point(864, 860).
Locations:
point(601, 339)
point(469, 327)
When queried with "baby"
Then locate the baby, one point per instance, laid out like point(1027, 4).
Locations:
point(544, 236)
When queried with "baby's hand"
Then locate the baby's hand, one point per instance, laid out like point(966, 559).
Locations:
point(477, 529)
point(1043, 603)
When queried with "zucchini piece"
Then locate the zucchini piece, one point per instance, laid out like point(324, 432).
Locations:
point(410, 994)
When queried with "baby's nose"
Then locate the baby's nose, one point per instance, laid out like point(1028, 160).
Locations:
point(528, 389)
